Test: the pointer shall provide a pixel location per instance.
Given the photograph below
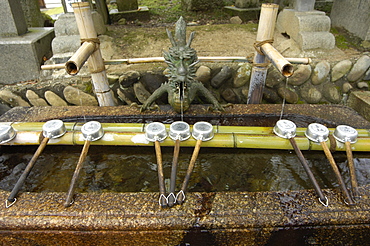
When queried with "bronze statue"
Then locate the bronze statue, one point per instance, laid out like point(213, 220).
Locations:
point(181, 86)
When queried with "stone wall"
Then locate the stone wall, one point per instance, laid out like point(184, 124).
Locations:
point(321, 82)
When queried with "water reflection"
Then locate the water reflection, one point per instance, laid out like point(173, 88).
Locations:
point(134, 169)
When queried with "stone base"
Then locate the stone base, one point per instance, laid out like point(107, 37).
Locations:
point(141, 14)
point(360, 101)
point(244, 14)
point(22, 56)
point(309, 29)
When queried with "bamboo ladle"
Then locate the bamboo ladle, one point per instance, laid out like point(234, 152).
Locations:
point(179, 131)
point(319, 134)
point(51, 129)
point(287, 129)
point(202, 131)
point(156, 132)
point(348, 135)
point(91, 131)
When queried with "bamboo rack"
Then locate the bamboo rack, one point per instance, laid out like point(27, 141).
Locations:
point(232, 59)
point(132, 134)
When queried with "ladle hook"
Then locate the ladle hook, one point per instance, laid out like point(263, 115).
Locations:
point(156, 132)
point(91, 131)
point(348, 135)
point(51, 129)
point(179, 131)
point(202, 131)
point(287, 129)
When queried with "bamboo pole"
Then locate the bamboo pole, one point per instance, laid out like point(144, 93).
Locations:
point(180, 197)
point(74, 64)
point(232, 59)
point(352, 171)
point(72, 186)
point(96, 64)
point(27, 171)
point(162, 187)
point(281, 64)
point(132, 134)
point(176, 151)
point(335, 168)
point(310, 175)
point(265, 32)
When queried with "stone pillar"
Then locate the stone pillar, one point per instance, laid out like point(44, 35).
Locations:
point(243, 4)
point(304, 5)
point(353, 16)
point(67, 38)
point(22, 50)
point(32, 13)
point(12, 21)
point(309, 28)
point(126, 5)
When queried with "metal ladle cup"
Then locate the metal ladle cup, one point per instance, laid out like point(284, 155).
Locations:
point(51, 129)
point(319, 133)
point(287, 129)
point(202, 131)
point(7, 133)
point(156, 132)
point(179, 131)
point(91, 131)
point(348, 135)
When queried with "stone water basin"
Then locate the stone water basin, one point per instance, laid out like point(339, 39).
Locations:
point(246, 206)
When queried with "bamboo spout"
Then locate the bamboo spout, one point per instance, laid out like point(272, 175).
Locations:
point(90, 50)
point(74, 64)
point(281, 64)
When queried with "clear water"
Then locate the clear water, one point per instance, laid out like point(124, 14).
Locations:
point(134, 169)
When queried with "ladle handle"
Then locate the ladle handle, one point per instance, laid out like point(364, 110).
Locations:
point(28, 169)
point(335, 168)
point(308, 170)
point(190, 169)
point(351, 166)
point(162, 187)
point(175, 160)
point(79, 165)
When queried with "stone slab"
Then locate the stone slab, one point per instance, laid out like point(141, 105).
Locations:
point(238, 218)
point(316, 40)
point(23, 55)
point(141, 14)
point(244, 14)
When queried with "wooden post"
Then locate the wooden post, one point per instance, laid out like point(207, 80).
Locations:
point(265, 33)
point(95, 61)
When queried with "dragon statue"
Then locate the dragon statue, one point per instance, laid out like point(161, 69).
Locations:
point(181, 86)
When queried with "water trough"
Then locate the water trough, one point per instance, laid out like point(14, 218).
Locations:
point(208, 216)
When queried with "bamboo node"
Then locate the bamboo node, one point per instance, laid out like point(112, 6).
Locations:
point(257, 45)
point(98, 70)
point(96, 41)
point(93, 40)
point(266, 64)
